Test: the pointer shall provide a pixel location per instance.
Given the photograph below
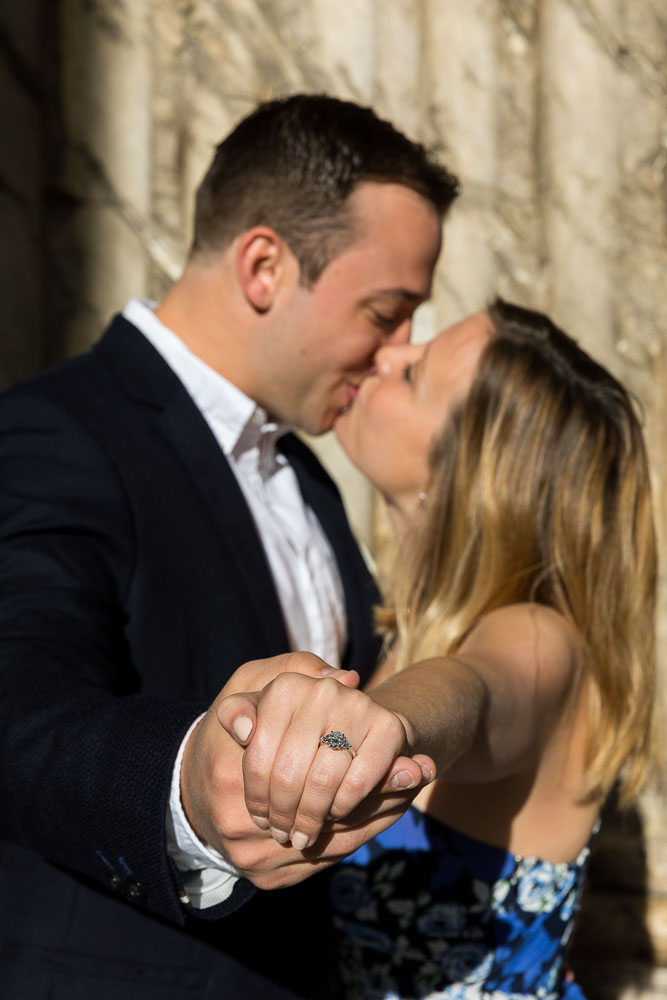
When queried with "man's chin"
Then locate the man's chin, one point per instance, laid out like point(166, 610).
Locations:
point(312, 428)
point(326, 422)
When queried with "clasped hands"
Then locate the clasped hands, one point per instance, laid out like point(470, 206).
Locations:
point(266, 792)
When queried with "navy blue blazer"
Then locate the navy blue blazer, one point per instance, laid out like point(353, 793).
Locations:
point(133, 584)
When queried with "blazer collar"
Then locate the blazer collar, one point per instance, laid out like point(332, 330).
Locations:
point(144, 373)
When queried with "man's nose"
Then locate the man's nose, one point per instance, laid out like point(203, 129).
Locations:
point(393, 357)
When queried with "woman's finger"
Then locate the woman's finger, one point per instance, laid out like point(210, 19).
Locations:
point(291, 716)
point(352, 765)
point(289, 785)
point(384, 742)
point(305, 769)
point(237, 713)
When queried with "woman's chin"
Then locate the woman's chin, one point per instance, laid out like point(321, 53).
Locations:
point(340, 429)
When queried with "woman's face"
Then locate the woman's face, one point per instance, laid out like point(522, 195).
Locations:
point(390, 428)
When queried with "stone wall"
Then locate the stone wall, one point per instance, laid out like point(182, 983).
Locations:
point(553, 113)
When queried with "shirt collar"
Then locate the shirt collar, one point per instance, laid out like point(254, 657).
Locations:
point(238, 421)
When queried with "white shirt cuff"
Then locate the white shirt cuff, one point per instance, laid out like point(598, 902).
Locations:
point(208, 878)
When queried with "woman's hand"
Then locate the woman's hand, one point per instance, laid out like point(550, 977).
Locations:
point(293, 781)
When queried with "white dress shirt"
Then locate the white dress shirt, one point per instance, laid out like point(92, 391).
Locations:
point(300, 558)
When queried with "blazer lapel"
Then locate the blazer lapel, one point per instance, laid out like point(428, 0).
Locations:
point(149, 380)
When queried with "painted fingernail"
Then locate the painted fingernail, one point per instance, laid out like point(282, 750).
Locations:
point(300, 840)
point(403, 780)
point(279, 835)
point(262, 823)
point(242, 727)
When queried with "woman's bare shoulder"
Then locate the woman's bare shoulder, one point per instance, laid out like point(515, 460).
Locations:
point(527, 632)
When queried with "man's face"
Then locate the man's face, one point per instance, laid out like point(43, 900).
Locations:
point(324, 338)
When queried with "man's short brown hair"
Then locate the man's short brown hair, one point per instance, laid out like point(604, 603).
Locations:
point(293, 163)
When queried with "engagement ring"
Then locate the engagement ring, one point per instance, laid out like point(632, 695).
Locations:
point(338, 741)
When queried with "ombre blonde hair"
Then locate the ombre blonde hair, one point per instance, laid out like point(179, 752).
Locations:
point(539, 491)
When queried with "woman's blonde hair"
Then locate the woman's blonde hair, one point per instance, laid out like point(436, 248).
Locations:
point(539, 491)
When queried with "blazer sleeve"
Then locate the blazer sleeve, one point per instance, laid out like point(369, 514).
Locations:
point(86, 756)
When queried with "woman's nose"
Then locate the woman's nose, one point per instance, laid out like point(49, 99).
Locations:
point(393, 357)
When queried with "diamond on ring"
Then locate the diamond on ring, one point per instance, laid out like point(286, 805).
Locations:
point(338, 741)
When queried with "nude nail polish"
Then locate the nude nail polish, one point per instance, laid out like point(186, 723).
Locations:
point(242, 728)
point(301, 841)
point(262, 823)
point(403, 780)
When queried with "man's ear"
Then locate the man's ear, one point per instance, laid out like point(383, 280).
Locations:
point(261, 258)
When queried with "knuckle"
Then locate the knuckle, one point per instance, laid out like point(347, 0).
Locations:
point(299, 661)
point(340, 807)
point(283, 777)
point(308, 823)
point(327, 690)
point(289, 685)
point(256, 806)
point(292, 661)
point(355, 783)
point(321, 780)
point(254, 768)
point(221, 781)
point(274, 688)
point(280, 819)
point(389, 730)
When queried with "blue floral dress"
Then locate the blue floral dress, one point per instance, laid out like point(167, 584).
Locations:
point(426, 911)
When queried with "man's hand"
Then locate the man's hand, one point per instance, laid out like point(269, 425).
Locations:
point(212, 778)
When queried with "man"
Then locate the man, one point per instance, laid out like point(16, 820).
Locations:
point(160, 528)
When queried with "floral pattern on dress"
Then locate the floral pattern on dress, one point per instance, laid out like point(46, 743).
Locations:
point(424, 912)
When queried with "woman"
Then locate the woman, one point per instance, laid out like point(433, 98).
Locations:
point(520, 628)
